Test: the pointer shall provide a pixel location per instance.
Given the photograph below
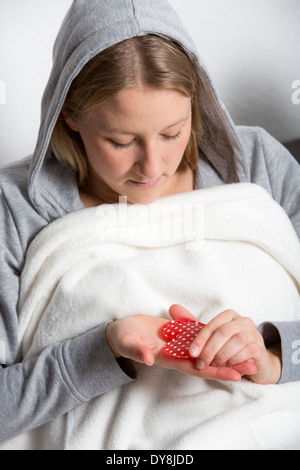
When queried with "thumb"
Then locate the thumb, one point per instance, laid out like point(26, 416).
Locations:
point(147, 356)
point(177, 312)
point(140, 353)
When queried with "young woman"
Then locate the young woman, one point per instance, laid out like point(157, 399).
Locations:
point(130, 110)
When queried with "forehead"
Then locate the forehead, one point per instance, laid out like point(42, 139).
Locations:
point(139, 107)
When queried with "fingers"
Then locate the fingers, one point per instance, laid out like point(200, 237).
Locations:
point(214, 332)
point(252, 349)
point(228, 338)
point(189, 367)
point(246, 368)
point(225, 374)
point(136, 338)
point(238, 348)
point(145, 356)
point(177, 312)
point(137, 351)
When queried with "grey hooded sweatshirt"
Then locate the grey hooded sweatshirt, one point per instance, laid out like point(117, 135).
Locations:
point(38, 190)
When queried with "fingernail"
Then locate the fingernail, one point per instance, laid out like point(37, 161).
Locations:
point(195, 351)
point(200, 364)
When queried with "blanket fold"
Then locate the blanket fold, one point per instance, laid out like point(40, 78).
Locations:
point(230, 246)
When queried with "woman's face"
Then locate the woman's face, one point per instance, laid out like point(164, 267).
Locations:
point(135, 142)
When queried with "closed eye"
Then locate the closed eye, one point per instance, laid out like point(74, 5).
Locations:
point(129, 144)
point(121, 146)
point(173, 137)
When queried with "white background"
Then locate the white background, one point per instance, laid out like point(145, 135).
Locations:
point(251, 47)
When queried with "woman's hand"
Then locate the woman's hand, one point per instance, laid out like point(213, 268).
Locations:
point(137, 338)
point(235, 342)
point(223, 372)
point(226, 349)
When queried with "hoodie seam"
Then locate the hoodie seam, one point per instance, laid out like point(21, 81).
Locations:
point(66, 377)
point(262, 145)
point(55, 201)
point(12, 218)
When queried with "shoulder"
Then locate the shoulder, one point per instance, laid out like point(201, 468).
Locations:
point(268, 161)
point(258, 144)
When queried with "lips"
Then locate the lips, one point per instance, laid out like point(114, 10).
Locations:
point(146, 184)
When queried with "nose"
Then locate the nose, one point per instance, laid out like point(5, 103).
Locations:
point(149, 162)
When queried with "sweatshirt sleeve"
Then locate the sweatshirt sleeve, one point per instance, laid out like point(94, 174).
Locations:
point(63, 376)
point(288, 334)
point(274, 168)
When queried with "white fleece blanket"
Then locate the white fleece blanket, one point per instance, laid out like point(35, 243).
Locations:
point(225, 247)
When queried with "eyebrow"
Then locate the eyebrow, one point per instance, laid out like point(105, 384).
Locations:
point(124, 132)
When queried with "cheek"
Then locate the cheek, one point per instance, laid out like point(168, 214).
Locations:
point(97, 153)
point(106, 161)
point(182, 144)
point(179, 149)
point(185, 143)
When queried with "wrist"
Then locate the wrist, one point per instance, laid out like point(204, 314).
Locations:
point(109, 333)
point(275, 356)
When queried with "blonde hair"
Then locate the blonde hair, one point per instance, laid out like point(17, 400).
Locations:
point(148, 60)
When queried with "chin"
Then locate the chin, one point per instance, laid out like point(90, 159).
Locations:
point(144, 197)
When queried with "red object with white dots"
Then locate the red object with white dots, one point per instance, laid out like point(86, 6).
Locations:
point(181, 333)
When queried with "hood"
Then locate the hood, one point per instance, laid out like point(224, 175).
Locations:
point(89, 27)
